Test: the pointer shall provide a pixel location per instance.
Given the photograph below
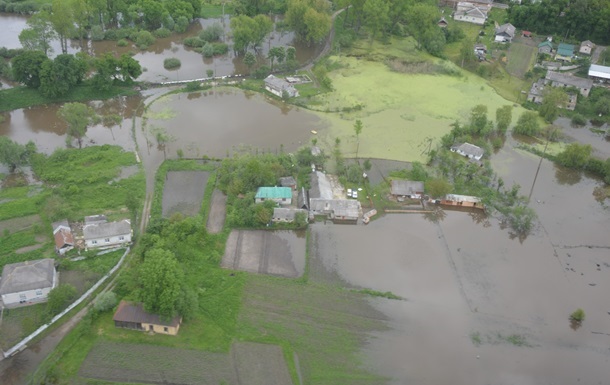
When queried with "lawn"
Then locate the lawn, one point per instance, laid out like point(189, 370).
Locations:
point(520, 59)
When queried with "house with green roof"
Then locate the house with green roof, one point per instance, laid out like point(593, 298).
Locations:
point(280, 195)
point(565, 52)
point(545, 47)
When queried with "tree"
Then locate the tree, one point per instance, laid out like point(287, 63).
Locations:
point(242, 27)
point(26, 67)
point(276, 53)
point(105, 71)
point(527, 124)
point(13, 154)
point(78, 116)
point(81, 14)
point(210, 73)
point(39, 34)
point(249, 61)
point(467, 52)
point(309, 19)
point(358, 130)
point(578, 315)
point(129, 68)
point(59, 298)
point(554, 99)
point(63, 21)
point(438, 187)
point(159, 280)
point(377, 16)
point(504, 116)
point(478, 119)
point(575, 155)
point(105, 302)
point(60, 75)
point(422, 25)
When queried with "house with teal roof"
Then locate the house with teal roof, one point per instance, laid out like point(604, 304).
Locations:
point(565, 52)
point(280, 195)
point(545, 47)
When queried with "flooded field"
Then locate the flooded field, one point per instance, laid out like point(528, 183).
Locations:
point(280, 253)
point(183, 192)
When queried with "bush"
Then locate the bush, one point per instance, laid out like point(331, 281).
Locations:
point(60, 298)
point(182, 24)
point(171, 63)
point(212, 33)
point(193, 41)
point(578, 315)
point(122, 43)
point(578, 120)
point(162, 32)
point(105, 302)
point(262, 72)
point(220, 48)
point(208, 50)
point(97, 33)
point(144, 39)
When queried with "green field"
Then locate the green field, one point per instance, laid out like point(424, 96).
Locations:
point(520, 59)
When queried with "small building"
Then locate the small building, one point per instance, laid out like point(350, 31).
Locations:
point(280, 195)
point(468, 150)
point(320, 187)
point(410, 188)
point(480, 48)
point(462, 201)
point(280, 87)
point(599, 73)
point(105, 235)
point(505, 33)
point(288, 181)
point(133, 316)
point(526, 34)
point(558, 79)
point(586, 47)
point(442, 23)
point(95, 219)
point(536, 95)
point(471, 13)
point(27, 283)
point(546, 47)
point(565, 52)
point(286, 215)
point(337, 210)
point(64, 240)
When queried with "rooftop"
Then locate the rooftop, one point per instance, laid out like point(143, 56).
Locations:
point(29, 275)
point(406, 187)
point(287, 213)
point(320, 186)
point(273, 193)
point(564, 49)
point(340, 207)
point(134, 312)
point(569, 80)
point(462, 198)
point(469, 149)
point(106, 229)
point(287, 181)
point(599, 71)
point(507, 28)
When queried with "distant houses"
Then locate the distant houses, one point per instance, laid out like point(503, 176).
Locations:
point(131, 315)
point(27, 283)
point(468, 150)
point(64, 239)
point(557, 79)
point(280, 87)
point(279, 195)
point(565, 52)
point(100, 234)
point(505, 33)
point(470, 12)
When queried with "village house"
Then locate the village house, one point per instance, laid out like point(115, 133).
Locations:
point(288, 181)
point(599, 73)
point(133, 316)
point(64, 240)
point(407, 188)
point(586, 47)
point(558, 79)
point(104, 235)
point(471, 13)
point(337, 210)
point(462, 201)
point(320, 187)
point(536, 95)
point(546, 47)
point(565, 52)
point(27, 283)
point(280, 87)
point(286, 214)
point(468, 150)
point(280, 195)
point(505, 33)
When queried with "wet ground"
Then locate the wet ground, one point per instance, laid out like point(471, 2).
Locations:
point(218, 212)
point(183, 192)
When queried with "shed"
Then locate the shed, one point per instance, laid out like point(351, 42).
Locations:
point(107, 234)
point(565, 52)
point(28, 282)
point(598, 72)
point(62, 234)
point(279, 86)
point(545, 47)
point(340, 210)
point(442, 23)
point(320, 186)
point(95, 219)
point(280, 195)
point(586, 47)
point(130, 315)
point(526, 34)
point(288, 181)
point(469, 150)
point(407, 188)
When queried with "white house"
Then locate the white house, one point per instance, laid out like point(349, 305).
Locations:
point(468, 150)
point(28, 282)
point(279, 86)
point(505, 33)
point(471, 13)
point(107, 234)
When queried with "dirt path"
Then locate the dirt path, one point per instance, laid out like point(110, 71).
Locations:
point(327, 46)
point(597, 52)
point(216, 219)
point(20, 223)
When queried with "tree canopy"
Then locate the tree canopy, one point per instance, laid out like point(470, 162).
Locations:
point(78, 116)
point(159, 278)
point(13, 154)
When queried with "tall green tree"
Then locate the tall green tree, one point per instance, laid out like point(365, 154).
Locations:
point(26, 67)
point(78, 117)
point(63, 21)
point(13, 154)
point(81, 14)
point(309, 19)
point(554, 99)
point(575, 155)
point(422, 19)
point(39, 33)
point(377, 16)
point(159, 278)
point(129, 68)
point(478, 119)
point(504, 116)
point(527, 124)
point(57, 77)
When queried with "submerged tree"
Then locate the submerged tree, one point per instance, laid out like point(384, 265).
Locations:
point(79, 117)
point(13, 154)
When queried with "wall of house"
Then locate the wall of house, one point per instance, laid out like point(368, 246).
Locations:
point(108, 242)
point(26, 297)
point(470, 19)
point(273, 91)
point(169, 330)
point(279, 201)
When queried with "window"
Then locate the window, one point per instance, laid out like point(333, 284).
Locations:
point(39, 292)
point(121, 238)
point(107, 240)
point(165, 329)
point(94, 242)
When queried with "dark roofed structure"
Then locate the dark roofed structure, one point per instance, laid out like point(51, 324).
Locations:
point(288, 181)
point(407, 187)
point(131, 315)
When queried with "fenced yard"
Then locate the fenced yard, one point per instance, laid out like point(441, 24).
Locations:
point(520, 59)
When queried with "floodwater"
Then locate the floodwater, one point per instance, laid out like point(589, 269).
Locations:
point(589, 134)
point(482, 306)
point(194, 65)
point(42, 125)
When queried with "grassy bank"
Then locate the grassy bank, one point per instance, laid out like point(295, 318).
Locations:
point(23, 97)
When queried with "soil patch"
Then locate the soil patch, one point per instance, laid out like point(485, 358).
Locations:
point(28, 248)
point(247, 363)
point(183, 192)
point(218, 212)
point(20, 223)
point(280, 253)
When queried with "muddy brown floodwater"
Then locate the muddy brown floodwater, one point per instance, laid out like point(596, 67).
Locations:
point(481, 306)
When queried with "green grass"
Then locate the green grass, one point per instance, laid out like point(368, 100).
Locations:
point(380, 294)
point(520, 59)
point(22, 97)
point(19, 322)
point(214, 11)
point(21, 201)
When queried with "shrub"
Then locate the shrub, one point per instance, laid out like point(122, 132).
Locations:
point(578, 315)
point(192, 86)
point(193, 41)
point(262, 72)
point(220, 48)
point(212, 33)
point(144, 39)
point(171, 63)
point(208, 50)
point(97, 33)
point(181, 24)
point(122, 43)
point(60, 298)
point(162, 32)
point(111, 34)
point(105, 302)
point(578, 120)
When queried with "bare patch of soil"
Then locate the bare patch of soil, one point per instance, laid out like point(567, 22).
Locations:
point(218, 212)
point(16, 224)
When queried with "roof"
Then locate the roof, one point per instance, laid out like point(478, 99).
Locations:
point(320, 186)
point(507, 29)
point(569, 80)
point(273, 193)
point(406, 187)
point(287, 213)
point(472, 12)
point(565, 49)
point(29, 275)
point(93, 219)
point(462, 198)
point(302, 201)
point(469, 149)
point(545, 43)
point(106, 230)
point(134, 312)
point(599, 71)
point(62, 234)
point(587, 43)
point(279, 84)
point(526, 33)
point(340, 207)
point(287, 181)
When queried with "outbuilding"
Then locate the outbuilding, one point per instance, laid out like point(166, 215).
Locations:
point(131, 315)
point(280, 195)
point(280, 87)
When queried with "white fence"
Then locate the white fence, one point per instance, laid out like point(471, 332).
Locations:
point(22, 344)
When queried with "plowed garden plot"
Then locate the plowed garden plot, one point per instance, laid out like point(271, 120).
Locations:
point(218, 212)
point(520, 58)
point(280, 253)
point(247, 363)
point(183, 192)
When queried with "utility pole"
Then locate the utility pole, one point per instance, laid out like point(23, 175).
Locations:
point(540, 163)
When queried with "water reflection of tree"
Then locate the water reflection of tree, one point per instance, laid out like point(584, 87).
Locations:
point(436, 215)
point(480, 217)
point(566, 176)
